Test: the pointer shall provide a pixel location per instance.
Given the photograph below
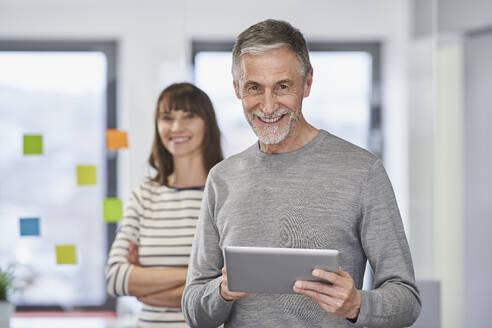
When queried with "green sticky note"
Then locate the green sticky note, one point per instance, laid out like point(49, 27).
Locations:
point(86, 175)
point(65, 254)
point(113, 210)
point(33, 144)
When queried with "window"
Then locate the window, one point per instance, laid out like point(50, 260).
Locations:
point(344, 99)
point(59, 98)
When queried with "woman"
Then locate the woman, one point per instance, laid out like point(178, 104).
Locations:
point(149, 256)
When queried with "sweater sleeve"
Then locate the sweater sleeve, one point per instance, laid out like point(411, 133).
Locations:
point(202, 304)
point(395, 300)
point(118, 269)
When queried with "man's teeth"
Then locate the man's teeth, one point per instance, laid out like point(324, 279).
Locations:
point(271, 120)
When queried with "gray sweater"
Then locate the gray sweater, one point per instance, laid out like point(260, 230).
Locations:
point(329, 194)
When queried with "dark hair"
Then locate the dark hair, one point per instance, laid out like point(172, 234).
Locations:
point(271, 34)
point(187, 97)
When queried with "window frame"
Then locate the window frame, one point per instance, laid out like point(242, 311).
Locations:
point(110, 50)
point(375, 140)
point(375, 135)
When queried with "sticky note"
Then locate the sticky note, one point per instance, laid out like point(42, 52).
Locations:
point(65, 254)
point(29, 226)
point(116, 139)
point(86, 175)
point(33, 144)
point(113, 210)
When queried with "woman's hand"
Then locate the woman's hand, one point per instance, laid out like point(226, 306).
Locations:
point(132, 255)
point(167, 298)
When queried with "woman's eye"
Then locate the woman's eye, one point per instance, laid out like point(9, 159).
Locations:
point(190, 115)
point(166, 118)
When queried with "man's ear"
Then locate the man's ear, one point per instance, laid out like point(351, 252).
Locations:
point(307, 83)
point(236, 89)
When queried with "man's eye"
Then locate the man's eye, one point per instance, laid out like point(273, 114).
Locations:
point(253, 89)
point(283, 86)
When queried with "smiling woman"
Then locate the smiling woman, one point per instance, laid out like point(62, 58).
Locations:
point(150, 254)
point(178, 106)
point(181, 132)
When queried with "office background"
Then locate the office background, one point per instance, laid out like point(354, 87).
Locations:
point(435, 67)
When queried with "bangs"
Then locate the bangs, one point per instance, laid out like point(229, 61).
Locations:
point(185, 100)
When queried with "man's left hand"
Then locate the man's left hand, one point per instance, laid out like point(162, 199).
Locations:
point(341, 298)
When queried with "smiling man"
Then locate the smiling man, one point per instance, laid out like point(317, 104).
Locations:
point(271, 88)
point(298, 187)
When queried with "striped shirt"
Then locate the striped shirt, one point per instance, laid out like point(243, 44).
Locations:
point(162, 221)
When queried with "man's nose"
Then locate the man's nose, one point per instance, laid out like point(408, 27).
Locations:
point(270, 103)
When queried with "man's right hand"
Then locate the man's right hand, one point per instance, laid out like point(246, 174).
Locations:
point(224, 289)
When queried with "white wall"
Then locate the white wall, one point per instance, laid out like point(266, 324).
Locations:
point(448, 181)
point(155, 37)
point(477, 264)
point(458, 15)
point(421, 150)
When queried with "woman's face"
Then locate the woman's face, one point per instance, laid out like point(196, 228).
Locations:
point(181, 132)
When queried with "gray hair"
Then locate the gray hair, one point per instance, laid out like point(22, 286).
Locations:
point(267, 35)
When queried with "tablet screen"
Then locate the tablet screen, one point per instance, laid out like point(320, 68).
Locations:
point(274, 270)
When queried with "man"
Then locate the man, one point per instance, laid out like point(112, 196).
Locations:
point(299, 187)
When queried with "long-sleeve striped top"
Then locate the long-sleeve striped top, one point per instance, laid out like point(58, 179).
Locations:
point(162, 222)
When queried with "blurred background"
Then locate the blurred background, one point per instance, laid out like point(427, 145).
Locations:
point(409, 80)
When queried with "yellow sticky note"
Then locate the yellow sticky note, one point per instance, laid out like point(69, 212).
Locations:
point(116, 139)
point(86, 175)
point(113, 210)
point(66, 254)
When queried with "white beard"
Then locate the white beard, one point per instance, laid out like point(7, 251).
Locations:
point(270, 135)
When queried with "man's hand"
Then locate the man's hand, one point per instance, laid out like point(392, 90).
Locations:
point(132, 255)
point(224, 290)
point(341, 298)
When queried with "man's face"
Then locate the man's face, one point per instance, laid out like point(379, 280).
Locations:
point(271, 89)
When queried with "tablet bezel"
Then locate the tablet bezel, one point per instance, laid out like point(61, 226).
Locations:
point(274, 270)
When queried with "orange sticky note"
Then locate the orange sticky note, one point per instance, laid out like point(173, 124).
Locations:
point(116, 139)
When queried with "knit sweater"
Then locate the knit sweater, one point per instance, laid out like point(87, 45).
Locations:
point(329, 194)
point(162, 222)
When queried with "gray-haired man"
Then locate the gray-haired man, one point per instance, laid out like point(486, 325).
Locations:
point(297, 187)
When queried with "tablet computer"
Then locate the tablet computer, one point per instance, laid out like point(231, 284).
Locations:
point(274, 270)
